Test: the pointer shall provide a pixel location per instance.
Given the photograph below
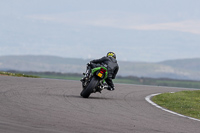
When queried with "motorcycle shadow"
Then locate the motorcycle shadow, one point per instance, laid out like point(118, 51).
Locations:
point(91, 97)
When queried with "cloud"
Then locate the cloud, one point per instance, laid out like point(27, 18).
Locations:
point(191, 26)
point(122, 20)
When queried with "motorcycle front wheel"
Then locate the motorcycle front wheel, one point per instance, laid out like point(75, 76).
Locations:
point(89, 89)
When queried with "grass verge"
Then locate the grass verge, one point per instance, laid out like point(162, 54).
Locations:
point(17, 74)
point(120, 79)
point(185, 102)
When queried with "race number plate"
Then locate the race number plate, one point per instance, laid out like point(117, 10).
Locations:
point(100, 75)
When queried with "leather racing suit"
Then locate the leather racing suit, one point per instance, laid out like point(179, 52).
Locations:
point(111, 65)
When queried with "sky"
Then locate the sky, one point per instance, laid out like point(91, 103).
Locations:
point(136, 30)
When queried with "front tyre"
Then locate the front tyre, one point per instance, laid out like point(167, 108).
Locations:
point(89, 89)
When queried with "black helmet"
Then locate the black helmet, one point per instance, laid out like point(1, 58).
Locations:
point(111, 54)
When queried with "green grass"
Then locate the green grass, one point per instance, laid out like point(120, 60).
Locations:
point(17, 74)
point(184, 102)
point(54, 75)
point(60, 77)
point(125, 80)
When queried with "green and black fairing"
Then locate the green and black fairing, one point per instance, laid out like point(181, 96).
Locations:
point(94, 81)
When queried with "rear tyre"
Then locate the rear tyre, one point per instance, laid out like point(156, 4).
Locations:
point(89, 89)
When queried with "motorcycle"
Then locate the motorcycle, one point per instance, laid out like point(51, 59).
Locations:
point(94, 80)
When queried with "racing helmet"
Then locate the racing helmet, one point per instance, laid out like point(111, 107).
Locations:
point(111, 54)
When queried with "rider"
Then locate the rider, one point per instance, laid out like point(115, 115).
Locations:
point(111, 63)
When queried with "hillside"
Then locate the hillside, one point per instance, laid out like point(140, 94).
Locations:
point(175, 69)
point(188, 64)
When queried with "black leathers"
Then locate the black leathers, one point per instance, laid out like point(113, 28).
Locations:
point(112, 67)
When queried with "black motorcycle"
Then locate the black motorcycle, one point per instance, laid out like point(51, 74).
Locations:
point(94, 80)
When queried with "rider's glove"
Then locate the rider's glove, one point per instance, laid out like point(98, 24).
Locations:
point(111, 88)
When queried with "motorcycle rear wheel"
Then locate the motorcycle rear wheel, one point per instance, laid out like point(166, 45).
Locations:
point(89, 89)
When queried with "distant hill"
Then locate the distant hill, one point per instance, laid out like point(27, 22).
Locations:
point(176, 69)
point(188, 64)
point(42, 63)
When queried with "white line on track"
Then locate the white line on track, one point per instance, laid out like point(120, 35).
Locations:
point(148, 99)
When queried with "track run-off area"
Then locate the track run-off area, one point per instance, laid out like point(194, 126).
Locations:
point(35, 105)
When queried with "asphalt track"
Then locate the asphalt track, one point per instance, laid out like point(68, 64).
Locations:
point(29, 105)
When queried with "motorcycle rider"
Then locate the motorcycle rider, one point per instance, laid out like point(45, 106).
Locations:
point(109, 61)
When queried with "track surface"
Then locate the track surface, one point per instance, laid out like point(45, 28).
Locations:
point(54, 106)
